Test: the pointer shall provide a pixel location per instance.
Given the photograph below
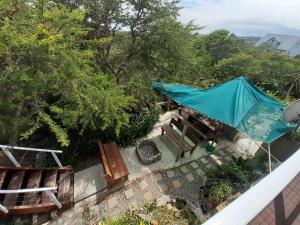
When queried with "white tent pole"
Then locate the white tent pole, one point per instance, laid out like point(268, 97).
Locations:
point(259, 145)
point(269, 153)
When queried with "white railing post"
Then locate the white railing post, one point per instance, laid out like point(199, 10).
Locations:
point(3, 209)
point(17, 164)
point(56, 159)
point(54, 199)
point(11, 157)
point(48, 190)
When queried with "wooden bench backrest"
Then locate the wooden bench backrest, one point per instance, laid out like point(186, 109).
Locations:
point(177, 123)
point(189, 133)
point(104, 159)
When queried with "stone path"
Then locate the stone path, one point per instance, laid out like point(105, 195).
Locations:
point(182, 182)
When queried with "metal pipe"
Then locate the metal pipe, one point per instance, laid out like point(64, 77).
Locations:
point(29, 149)
point(54, 199)
point(3, 209)
point(56, 159)
point(11, 157)
point(28, 190)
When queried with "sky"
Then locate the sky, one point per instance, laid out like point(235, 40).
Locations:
point(244, 17)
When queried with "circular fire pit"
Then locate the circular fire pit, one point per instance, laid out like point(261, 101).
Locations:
point(147, 152)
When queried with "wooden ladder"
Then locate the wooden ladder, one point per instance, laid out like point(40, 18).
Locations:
point(33, 178)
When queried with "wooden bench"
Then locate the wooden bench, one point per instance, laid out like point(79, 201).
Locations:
point(114, 165)
point(177, 138)
point(193, 135)
point(207, 126)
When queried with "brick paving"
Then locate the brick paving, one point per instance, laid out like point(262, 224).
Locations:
point(182, 182)
point(176, 184)
point(144, 184)
point(129, 193)
point(184, 169)
point(170, 174)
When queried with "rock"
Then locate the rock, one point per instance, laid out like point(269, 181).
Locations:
point(163, 200)
point(154, 222)
point(54, 215)
point(145, 217)
point(169, 206)
point(177, 214)
point(197, 211)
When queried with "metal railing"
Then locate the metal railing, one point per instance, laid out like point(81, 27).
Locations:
point(48, 190)
point(7, 150)
point(253, 201)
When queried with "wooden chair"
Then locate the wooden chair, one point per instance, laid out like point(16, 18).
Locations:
point(114, 165)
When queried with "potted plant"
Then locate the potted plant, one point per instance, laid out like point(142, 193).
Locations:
point(220, 192)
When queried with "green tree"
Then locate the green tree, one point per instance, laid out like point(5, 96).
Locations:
point(47, 76)
point(220, 44)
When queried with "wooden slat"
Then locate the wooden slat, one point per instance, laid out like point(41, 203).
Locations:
point(2, 177)
point(34, 181)
point(116, 163)
point(15, 183)
point(49, 181)
point(176, 138)
point(104, 158)
point(64, 188)
point(189, 133)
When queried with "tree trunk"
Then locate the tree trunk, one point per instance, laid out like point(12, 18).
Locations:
point(287, 94)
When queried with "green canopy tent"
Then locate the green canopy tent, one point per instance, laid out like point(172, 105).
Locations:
point(237, 103)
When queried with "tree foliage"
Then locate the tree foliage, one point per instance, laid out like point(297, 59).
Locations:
point(85, 67)
point(47, 75)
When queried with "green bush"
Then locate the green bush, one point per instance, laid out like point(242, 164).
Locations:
point(140, 124)
point(231, 171)
point(84, 145)
point(221, 191)
point(241, 173)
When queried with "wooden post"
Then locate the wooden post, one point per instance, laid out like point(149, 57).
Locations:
point(168, 105)
point(182, 140)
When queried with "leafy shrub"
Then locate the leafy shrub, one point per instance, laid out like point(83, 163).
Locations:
point(221, 191)
point(232, 172)
point(139, 125)
point(240, 173)
point(162, 215)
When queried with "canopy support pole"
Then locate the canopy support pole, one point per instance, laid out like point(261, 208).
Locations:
point(260, 146)
point(269, 154)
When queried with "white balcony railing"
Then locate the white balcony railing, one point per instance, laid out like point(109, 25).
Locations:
point(252, 202)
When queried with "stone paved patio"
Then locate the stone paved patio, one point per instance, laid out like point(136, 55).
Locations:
point(183, 182)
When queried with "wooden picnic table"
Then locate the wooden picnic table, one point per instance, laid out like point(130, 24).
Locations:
point(197, 119)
